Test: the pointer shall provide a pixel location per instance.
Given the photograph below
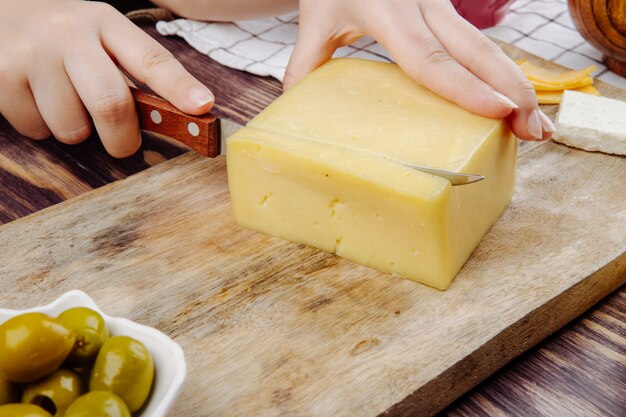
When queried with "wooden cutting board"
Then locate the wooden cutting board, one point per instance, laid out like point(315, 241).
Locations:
point(272, 328)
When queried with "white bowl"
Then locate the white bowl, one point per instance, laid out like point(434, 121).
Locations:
point(169, 359)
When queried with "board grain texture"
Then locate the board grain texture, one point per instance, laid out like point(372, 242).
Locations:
point(274, 328)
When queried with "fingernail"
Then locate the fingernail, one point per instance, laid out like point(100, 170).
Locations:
point(200, 96)
point(533, 124)
point(504, 100)
point(546, 123)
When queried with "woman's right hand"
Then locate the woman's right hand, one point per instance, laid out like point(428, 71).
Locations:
point(434, 46)
point(59, 71)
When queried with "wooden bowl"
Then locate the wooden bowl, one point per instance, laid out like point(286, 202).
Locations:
point(603, 24)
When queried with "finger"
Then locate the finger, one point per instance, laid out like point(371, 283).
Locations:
point(531, 125)
point(107, 98)
point(128, 81)
point(149, 62)
point(547, 126)
point(59, 104)
point(489, 63)
point(310, 52)
point(424, 59)
point(18, 106)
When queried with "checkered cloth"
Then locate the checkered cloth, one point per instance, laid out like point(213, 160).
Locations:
point(263, 47)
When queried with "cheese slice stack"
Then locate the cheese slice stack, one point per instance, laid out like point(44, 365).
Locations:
point(320, 166)
point(550, 84)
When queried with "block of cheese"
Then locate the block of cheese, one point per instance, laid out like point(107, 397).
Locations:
point(320, 166)
point(592, 123)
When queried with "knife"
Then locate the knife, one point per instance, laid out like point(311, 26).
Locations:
point(207, 134)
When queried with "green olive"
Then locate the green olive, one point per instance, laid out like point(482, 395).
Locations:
point(55, 392)
point(91, 332)
point(9, 392)
point(32, 345)
point(124, 367)
point(22, 410)
point(98, 404)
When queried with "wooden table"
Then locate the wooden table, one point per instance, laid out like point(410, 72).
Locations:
point(580, 371)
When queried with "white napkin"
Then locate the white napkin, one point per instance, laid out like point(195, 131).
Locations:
point(263, 47)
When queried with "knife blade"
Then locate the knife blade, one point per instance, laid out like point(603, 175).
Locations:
point(207, 134)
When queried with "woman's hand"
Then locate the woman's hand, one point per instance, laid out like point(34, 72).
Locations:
point(433, 45)
point(58, 72)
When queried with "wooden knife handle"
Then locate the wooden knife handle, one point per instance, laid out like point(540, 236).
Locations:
point(200, 133)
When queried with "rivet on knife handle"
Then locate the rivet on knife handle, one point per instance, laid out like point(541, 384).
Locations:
point(200, 133)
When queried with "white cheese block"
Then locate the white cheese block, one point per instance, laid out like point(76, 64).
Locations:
point(592, 123)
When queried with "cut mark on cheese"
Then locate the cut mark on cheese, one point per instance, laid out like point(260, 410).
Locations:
point(363, 151)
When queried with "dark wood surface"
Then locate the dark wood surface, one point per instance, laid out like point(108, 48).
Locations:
point(580, 371)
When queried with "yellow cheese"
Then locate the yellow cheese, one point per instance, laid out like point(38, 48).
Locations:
point(555, 97)
point(549, 84)
point(555, 76)
point(541, 86)
point(320, 166)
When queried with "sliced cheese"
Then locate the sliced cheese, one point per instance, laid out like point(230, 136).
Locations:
point(592, 123)
point(554, 76)
point(549, 84)
point(319, 166)
point(554, 97)
point(569, 85)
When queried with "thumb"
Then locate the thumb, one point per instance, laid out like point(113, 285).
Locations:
point(149, 62)
point(311, 51)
